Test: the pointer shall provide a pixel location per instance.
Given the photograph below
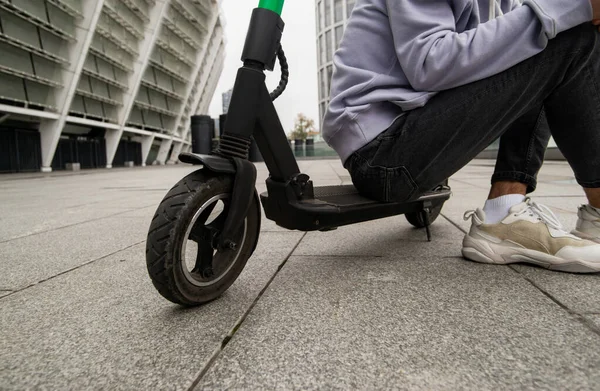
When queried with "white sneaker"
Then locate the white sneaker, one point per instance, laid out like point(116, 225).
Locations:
point(530, 233)
point(588, 224)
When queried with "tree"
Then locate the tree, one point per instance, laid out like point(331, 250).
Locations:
point(302, 127)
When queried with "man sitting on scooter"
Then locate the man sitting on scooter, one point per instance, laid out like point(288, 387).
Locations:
point(421, 87)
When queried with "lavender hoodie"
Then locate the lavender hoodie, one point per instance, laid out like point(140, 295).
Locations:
point(396, 54)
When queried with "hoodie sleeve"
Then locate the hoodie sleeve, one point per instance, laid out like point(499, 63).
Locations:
point(435, 57)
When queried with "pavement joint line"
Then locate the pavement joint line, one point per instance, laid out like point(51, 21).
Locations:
point(466, 183)
point(453, 223)
point(93, 171)
point(579, 317)
point(12, 292)
point(241, 320)
point(74, 224)
point(582, 319)
point(561, 210)
point(561, 196)
point(337, 256)
point(336, 173)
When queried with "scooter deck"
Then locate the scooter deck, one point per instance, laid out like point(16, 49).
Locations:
point(335, 206)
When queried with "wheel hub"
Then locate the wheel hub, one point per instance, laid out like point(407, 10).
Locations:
point(211, 262)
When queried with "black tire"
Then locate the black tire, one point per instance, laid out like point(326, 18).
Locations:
point(168, 230)
point(416, 219)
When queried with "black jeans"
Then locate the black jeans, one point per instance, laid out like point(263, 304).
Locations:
point(426, 146)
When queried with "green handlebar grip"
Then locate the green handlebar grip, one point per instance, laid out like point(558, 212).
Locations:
point(273, 5)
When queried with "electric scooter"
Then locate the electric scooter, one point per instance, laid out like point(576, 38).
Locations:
point(207, 226)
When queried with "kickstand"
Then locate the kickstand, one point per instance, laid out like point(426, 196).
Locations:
point(425, 216)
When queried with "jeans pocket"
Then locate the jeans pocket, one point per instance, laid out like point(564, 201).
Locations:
point(400, 185)
point(370, 181)
point(381, 183)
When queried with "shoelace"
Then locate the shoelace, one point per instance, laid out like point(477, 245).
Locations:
point(542, 212)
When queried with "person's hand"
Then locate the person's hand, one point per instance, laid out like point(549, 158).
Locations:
point(596, 22)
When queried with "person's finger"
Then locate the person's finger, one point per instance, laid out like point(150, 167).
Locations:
point(596, 22)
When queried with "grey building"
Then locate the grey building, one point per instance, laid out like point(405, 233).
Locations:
point(104, 82)
point(226, 100)
point(331, 17)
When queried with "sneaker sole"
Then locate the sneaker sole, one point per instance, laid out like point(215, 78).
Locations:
point(585, 236)
point(483, 251)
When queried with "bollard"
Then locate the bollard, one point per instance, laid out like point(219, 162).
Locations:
point(202, 134)
point(310, 147)
point(299, 148)
point(222, 119)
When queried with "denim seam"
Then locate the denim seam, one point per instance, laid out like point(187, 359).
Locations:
point(517, 175)
point(594, 83)
point(531, 140)
point(588, 185)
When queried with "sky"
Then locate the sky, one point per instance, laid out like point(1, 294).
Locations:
point(299, 45)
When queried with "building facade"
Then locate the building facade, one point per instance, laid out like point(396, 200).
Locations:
point(104, 83)
point(226, 100)
point(331, 17)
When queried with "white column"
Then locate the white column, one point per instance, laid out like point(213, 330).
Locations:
point(197, 68)
point(146, 147)
point(50, 129)
point(178, 145)
point(156, 16)
point(211, 85)
point(163, 152)
point(201, 80)
point(201, 85)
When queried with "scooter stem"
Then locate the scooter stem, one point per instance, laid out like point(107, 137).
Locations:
point(273, 5)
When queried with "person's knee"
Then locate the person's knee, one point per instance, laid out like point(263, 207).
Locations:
point(583, 37)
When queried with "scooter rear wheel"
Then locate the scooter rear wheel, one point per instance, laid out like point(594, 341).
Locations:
point(416, 219)
point(183, 259)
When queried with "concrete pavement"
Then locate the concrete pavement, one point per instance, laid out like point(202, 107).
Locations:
point(370, 306)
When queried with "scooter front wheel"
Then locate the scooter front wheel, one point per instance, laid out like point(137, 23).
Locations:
point(184, 261)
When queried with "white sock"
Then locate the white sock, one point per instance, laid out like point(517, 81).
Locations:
point(497, 209)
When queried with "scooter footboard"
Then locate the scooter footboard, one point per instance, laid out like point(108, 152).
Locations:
point(336, 206)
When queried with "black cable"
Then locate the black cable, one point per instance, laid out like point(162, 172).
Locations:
point(285, 74)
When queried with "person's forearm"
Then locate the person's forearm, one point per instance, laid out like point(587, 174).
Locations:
point(435, 57)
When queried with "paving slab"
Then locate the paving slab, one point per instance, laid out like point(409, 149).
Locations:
point(104, 326)
point(33, 222)
point(35, 258)
point(579, 292)
point(410, 323)
point(31, 206)
point(595, 319)
point(367, 306)
point(378, 238)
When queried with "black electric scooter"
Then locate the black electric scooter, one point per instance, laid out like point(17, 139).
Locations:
point(207, 226)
